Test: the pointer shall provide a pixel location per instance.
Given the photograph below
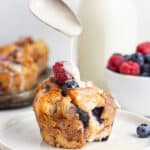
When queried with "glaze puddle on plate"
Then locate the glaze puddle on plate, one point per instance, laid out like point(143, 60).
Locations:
point(22, 133)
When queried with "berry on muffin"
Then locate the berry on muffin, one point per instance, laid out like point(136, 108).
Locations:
point(60, 73)
point(65, 71)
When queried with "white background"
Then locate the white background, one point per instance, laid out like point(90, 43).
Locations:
point(16, 20)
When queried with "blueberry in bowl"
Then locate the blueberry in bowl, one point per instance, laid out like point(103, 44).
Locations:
point(138, 57)
point(147, 58)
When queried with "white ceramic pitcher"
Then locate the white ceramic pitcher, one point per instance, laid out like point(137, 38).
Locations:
point(109, 26)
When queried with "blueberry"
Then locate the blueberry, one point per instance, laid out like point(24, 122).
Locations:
point(145, 74)
point(105, 139)
point(47, 88)
point(97, 112)
point(143, 130)
point(16, 62)
point(84, 117)
point(64, 90)
point(147, 58)
point(145, 68)
point(72, 84)
point(138, 57)
point(128, 57)
point(69, 84)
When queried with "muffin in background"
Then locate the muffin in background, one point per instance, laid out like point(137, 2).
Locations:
point(37, 49)
point(21, 63)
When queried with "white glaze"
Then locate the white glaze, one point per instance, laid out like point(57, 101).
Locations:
point(56, 14)
point(15, 67)
point(72, 69)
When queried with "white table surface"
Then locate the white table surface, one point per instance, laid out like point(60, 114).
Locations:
point(5, 114)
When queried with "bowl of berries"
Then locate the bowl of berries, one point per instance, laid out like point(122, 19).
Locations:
point(128, 78)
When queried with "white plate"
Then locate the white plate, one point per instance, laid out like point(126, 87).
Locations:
point(22, 133)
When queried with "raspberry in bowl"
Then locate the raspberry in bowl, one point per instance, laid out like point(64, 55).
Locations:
point(144, 48)
point(130, 82)
point(130, 68)
point(115, 61)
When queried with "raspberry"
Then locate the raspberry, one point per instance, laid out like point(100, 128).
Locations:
point(115, 61)
point(144, 48)
point(60, 73)
point(130, 68)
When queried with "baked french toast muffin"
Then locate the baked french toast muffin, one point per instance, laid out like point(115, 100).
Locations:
point(70, 112)
point(21, 63)
point(37, 49)
point(16, 75)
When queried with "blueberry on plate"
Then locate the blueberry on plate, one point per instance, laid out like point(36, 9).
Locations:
point(147, 58)
point(69, 84)
point(143, 130)
point(138, 57)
